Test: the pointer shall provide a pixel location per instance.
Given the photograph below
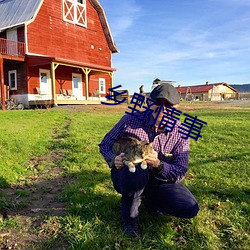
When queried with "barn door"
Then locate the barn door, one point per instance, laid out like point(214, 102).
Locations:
point(77, 85)
point(45, 83)
point(12, 48)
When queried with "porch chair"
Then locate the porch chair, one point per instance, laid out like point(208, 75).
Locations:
point(38, 93)
point(70, 92)
point(64, 93)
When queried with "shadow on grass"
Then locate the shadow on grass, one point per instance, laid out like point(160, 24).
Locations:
point(228, 211)
point(31, 211)
point(3, 182)
point(215, 159)
point(94, 219)
point(220, 193)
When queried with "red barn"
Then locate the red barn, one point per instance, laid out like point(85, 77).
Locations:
point(208, 92)
point(56, 52)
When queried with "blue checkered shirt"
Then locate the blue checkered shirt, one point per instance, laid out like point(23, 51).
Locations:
point(174, 167)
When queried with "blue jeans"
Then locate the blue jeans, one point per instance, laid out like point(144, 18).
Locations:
point(168, 198)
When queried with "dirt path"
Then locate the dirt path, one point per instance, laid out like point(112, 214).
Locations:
point(33, 205)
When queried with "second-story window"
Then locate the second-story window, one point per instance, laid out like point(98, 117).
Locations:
point(74, 11)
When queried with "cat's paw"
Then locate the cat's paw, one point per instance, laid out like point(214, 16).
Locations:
point(132, 170)
point(144, 166)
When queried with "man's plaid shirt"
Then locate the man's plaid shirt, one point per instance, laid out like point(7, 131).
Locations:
point(175, 166)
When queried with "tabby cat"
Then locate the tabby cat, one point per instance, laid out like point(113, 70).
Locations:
point(135, 151)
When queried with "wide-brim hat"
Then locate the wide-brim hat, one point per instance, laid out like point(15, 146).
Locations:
point(167, 92)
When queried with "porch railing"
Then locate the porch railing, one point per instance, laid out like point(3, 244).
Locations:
point(12, 48)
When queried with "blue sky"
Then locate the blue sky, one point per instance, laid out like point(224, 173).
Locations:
point(188, 41)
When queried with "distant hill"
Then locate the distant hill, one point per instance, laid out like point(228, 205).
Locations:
point(241, 87)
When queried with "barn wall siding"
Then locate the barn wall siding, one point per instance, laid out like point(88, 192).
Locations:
point(20, 34)
point(33, 78)
point(50, 35)
point(94, 83)
point(3, 34)
point(21, 77)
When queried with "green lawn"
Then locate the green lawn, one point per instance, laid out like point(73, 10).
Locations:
point(218, 176)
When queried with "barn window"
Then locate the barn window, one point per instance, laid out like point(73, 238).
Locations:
point(43, 77)
point(102, 86)
point(12, 80)
point(74, 11)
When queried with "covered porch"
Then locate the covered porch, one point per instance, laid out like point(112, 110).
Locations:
point(61, 95)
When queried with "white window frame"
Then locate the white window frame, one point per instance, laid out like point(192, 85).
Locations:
point(9, 75)
point(78, 16)
point(102, 83)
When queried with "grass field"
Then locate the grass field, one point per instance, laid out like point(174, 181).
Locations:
point(40, 148)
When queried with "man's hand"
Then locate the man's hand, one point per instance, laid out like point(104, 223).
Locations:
point(119, 161)
point(152, 160)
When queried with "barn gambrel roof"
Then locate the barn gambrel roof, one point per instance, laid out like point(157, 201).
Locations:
point(105, 25)
point(18, 12)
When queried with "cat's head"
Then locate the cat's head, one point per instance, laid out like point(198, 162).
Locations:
point(146, 148)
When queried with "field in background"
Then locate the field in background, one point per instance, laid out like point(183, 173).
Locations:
point(42, 150)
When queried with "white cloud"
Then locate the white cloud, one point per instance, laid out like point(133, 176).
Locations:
point(122, 15)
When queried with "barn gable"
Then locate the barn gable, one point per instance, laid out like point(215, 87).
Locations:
point(18, 12)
